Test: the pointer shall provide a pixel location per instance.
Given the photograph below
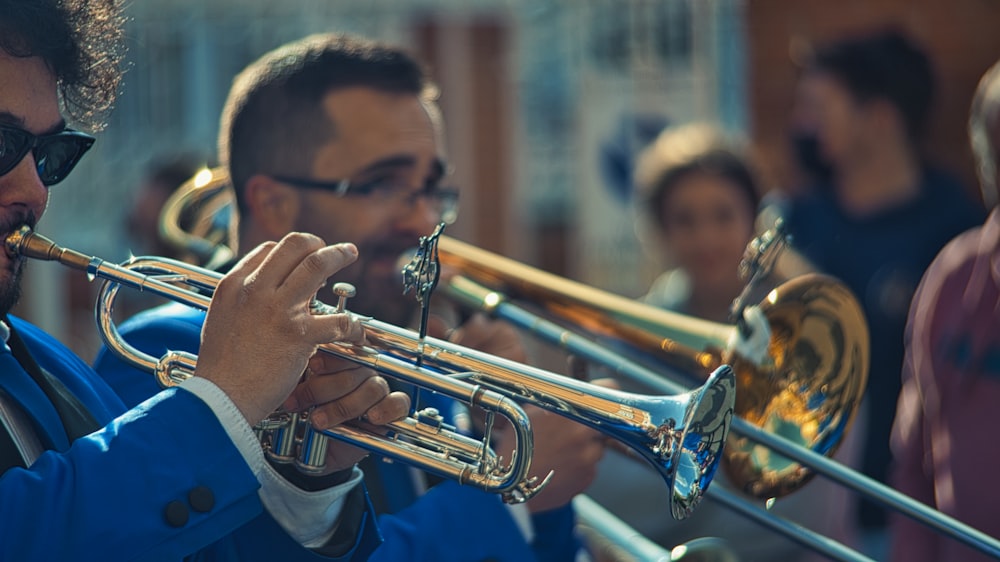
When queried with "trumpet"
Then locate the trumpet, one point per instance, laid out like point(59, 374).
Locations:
point(807, 389)
point(681, 436)
point(686, 341)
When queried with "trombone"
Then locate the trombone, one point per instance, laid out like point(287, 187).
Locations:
point(808, 314)
point(681, 436)
point(688, 342)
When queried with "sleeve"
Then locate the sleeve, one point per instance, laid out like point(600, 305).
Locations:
point(911, 471)
point(310, 516)
point(456, 523)
point(144, 487)
point(174, 328)
point(356, 537)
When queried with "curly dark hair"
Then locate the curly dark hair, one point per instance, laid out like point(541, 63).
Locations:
point(81, 41)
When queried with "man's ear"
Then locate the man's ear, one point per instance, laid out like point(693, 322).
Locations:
point(273, 206)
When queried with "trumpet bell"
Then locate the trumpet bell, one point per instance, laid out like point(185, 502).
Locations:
point(699, 448)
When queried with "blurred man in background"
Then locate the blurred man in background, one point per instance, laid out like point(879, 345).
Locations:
point(879, 211)
point(883, 212)
point(341, 137)
point(944, 437)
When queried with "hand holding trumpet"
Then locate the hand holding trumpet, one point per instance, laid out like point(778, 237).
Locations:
point(259, 337)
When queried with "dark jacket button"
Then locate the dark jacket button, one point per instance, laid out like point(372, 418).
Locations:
point(201, 499)
point(176, 514)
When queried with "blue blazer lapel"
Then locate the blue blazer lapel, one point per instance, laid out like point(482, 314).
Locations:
point(22, 388)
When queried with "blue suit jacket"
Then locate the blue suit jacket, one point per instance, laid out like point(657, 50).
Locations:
point(450, 522)
point(106, 495)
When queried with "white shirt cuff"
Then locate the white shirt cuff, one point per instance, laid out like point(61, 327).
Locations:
point(308, 517)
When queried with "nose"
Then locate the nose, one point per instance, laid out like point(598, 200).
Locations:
point(21, 187)
point(419, 216)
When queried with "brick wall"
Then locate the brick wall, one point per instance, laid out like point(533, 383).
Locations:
point(961, 36)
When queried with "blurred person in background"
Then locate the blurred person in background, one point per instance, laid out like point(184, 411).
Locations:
point(697, 196)
point(340, 136)
point(163, 175)
point(944, 437)
point(879, 211)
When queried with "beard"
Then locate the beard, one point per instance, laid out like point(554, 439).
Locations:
point(13, 270)
point(377, 276)
point(10, 286)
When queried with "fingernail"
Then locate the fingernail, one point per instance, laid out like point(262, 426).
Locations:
point(349, 248)
point(319, 419)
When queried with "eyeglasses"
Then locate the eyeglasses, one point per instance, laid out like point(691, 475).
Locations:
point(55, 155)
point(385, 191)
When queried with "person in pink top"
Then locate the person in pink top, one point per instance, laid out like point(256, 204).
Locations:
point(944, 438)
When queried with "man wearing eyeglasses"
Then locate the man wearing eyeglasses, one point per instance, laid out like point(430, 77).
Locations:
point(340, 137)
point(82, 477)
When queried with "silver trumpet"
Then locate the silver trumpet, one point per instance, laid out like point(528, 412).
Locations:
point(682, 436)
point(693, 346)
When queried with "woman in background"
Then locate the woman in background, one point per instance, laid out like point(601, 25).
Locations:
point(700, 198)
point(697, 198)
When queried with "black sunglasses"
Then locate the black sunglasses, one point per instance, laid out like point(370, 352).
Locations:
point(55, 155)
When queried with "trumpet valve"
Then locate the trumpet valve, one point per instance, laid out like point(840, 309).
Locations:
point(343, 291)
point(281, 446)
point(430, 420)
point(312, 450)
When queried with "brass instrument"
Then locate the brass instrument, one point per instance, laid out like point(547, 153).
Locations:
point(682, 436)
point(803, 313)
point(686, 341)
point(807, 390)
point(195, 220)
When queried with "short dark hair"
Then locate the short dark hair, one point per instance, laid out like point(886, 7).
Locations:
point(79, 40)
point(884, 64)
point(679, 152)
point(273, 120)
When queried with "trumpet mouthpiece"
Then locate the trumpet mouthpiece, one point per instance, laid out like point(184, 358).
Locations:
point(24, 242)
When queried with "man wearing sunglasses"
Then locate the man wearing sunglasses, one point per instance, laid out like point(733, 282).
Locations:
point(340, 136)
point(82, 477)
